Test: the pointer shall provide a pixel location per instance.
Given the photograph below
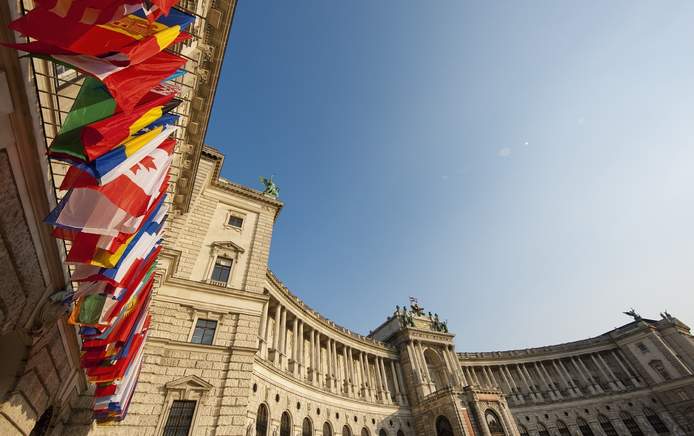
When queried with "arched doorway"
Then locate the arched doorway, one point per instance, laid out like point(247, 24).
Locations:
point(365, 432)
point(401, 433)
point(327, 429)
point(382, 433)
point(494, 423)
point(346, 431)
point(437, 369)
point(306, 428)
point(286, 425)
point(443, 426)
point(261, 421)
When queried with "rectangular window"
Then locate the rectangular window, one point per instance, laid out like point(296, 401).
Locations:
point(222, 268)
point(204, 331)
point(235, 221)
point(180, 418)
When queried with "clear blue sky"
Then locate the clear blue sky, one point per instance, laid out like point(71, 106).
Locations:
point(527, 170)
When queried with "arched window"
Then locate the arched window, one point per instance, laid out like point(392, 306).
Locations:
point(542, 430)
point(630, 424)
point(261, 421)
point(563, 429)
point(382, 432)
point(607, 426)
point(658, 367)
point(286, 425)
point(493, 423)
point(436, 368)
point(443, 426)
point(365, 432)
point(327, 430)
point(584, 427)
point(346, 431)
point(306, 428)
point(401, 433)
point(655, 421)
point(522, 430)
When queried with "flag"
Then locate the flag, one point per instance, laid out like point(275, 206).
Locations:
point(118, 206)
point(101, 136)
point(110, 165)
point(94, 106)
point(86, 247)
point(128, 40)
point(90, 12)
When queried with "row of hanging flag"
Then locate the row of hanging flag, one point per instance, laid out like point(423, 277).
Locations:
point(117, 142)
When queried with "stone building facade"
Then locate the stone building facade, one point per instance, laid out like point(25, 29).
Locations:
point(232, 351)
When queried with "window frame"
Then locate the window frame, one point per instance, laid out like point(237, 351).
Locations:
point(195, 327)
point(171, 409)
point(232, 215)
point(214, 268)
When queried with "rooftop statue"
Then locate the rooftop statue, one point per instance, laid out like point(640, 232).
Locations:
point(632, 313)
point(271, 189)
point(415, 307)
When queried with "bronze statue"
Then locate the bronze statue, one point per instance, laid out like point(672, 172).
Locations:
point(271, 189)
point(632, 313)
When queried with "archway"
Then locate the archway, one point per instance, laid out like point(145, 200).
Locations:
point(307, 428)
point(443, 426)
point(346, 431)
point(286, 425)
point(327, 429)
point(261, 421)
point(437, 369)
point(494, 423)
point(365, 432)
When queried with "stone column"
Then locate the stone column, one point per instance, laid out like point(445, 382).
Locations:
point(276, 337)
point(511, 392)
point(302, 366)
point(385, 381)
point(414, 363)
point(550, 390)
point(589, 383)
point(551, 381)
point(401, 381)
point(531, 391)
point(450, 375)
point(293, 364)
point(563, 379)
point(283, 338)
point(625, 369)
point(312, 356)
point(425, 367)
point(337, 380)
point(262, 335)
point(518, 393)
point(362, 376)
point(618, 383)
point(456, 365)
point(370, 383)
point(487, 378)
point(329, 377)
point(379, 382)
point(396, 382)
point(595, 385)
point(632, 371)
point(577, 392)
point(319, 361)
point(352, 377)
point(606, 377)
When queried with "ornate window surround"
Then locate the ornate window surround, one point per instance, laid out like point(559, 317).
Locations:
point(191, 388)
point(226, 249)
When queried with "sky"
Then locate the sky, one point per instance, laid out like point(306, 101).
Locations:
point(526, 169)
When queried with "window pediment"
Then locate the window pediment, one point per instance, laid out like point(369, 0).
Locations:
point(228, 246)
point(189, 383)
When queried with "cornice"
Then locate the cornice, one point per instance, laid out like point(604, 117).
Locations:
point(308, 312)
point(202, 116)
point(346, 402)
